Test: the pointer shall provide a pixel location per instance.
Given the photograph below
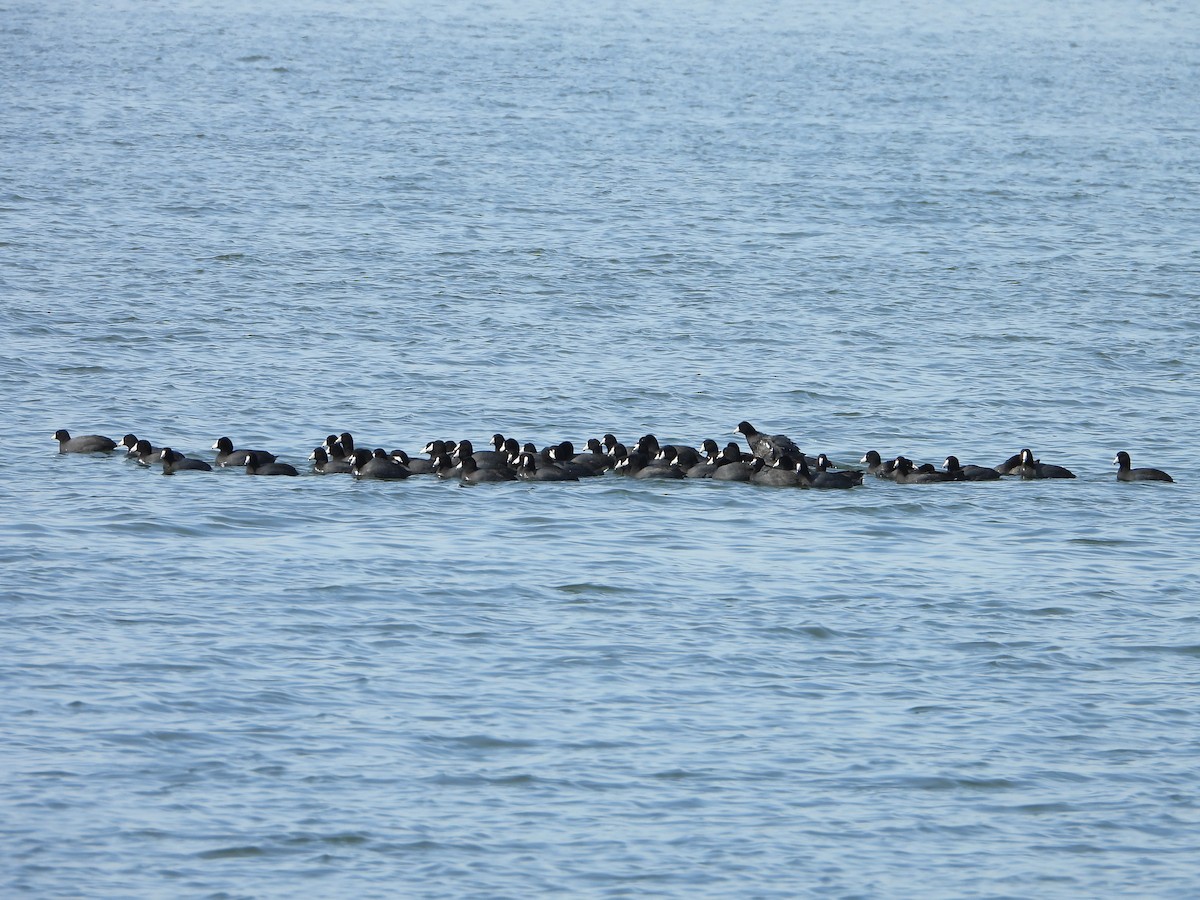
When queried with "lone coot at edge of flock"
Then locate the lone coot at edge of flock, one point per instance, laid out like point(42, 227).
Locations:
point(1125, 473)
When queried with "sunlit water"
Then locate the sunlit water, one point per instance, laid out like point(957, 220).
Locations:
point(923, 229)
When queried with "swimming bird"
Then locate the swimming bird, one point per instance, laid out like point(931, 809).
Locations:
point(875, 464)
point(628, 462)
point(144, 454)
point(259, 463)
point(908, 473)
point(173, 461)
point(705, 467)
point(664, 465)
point(484, 459)
point(326, 466)
point(1125, 473)
point(472, 474)
point(824, 481)
point(436, 450)
point(545, 455)
point(130, 442)
point(443, 466)
point(581, 465)
point(827, 477)
point(377, 465)
point(416, 466)
point(733, 465)
point(1031, 468)
point(959, 472)
point(87, 443)
point(512, 449)
point(529, 469)
point(825, 464)
point(781, 473)
point(227, 456)
point(769, 446)
point(1007, 467)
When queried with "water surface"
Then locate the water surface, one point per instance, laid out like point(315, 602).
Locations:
point(930, 229)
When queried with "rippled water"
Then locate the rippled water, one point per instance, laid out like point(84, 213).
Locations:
point(924, 229)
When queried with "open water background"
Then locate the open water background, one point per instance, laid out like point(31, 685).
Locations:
point(917, 227)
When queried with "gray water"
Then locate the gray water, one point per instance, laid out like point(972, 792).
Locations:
point(921, 228)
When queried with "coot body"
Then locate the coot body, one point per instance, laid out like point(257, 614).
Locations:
point(1127, 473)
point(86, 443)
point(173, 461)
point(258, 463)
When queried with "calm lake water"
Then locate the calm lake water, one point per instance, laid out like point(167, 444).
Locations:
point(921, 228)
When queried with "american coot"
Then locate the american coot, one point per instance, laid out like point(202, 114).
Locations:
point(472, 474)
point(907, 473)
point(581, 465)
point(227, 456)
point(484, 459)
point(529, 469)
point(173, 461)
point(874, 462)
point(648, 444)
point(685, 456)
point(705, 467)
point(1125, 473)
point(258, 463)
point(1030, 468)
point(144, 454)
point(87, 443)
point(131, 443)
point(416, 466)
point(664, 465)
point(326, 466)
point(1007, 467)
point(669, 454)
point(628, 462)
point(959, 472)
point(828, 477)
point(732, 464)
point(436, 450)
point(377, 465)
point(825, 480)
point(443, 466)
point(781, 473)
point(769, 446)
point(825, 464)
point(594, 457)
point(879, 467)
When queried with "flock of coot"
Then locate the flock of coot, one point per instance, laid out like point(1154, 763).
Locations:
point(771, 459)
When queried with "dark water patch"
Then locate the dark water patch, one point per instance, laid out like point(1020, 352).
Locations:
point(515, 780)
point(943, 783)
point(1170, 649)
point(233, 853)
point(484, 742)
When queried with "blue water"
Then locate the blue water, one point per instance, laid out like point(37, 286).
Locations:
point(921, 228)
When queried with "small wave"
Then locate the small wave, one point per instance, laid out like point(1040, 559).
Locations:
point(231, 853)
